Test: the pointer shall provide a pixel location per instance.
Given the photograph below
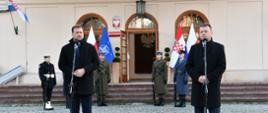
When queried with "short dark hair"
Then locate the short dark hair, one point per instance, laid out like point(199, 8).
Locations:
point(76, 26)
point(205, 25)
point(46, 56)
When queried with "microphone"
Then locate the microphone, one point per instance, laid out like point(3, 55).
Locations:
point(76, 45)
point(204, 42)
point(205, 39)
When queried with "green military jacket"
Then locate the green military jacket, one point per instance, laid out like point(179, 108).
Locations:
point(159, 74)
point(103, 77)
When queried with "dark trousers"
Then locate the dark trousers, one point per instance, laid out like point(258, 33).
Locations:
point(182, 97)
point(86, 101)
point(211, 110)
point(100, 99)
point(47, 93)
point(68, 101)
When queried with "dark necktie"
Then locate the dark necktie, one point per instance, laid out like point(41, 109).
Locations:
point(77, 54)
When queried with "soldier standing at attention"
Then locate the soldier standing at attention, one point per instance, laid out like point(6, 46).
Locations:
point(181, 79)
point(103, 77)
point(159, 73)
point(48, 81)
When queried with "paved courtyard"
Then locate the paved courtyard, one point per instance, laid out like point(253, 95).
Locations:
point(139, 108)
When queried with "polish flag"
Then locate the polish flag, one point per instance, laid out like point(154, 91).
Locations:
point(192, 39)
point(91, 38)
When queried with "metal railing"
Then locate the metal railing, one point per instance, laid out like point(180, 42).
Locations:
point(11, 75)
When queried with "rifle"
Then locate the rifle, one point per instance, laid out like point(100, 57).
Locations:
point(153, 94)
point(175, 86)
point(175, 94)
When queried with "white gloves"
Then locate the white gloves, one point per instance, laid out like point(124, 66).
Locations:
point(49, 75)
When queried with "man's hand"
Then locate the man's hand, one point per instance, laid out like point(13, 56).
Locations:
point(202, 79)
point(80, 72)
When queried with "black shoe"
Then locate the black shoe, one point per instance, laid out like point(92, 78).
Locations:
point(68, 107)
point(161, 102)
point(158, 104)
point(103, 104)
point(182, 104)
point(99, 104)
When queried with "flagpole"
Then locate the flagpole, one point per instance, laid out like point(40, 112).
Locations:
point(16, 29)
point(4, 11)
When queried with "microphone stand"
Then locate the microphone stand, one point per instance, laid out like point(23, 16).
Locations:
point(205, 70)
point(73, 67)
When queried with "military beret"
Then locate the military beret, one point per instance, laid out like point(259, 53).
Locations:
point(159, 53)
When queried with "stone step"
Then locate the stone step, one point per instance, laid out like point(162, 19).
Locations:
point(37, 100)
point(127, 93)
point(4, 89)
point(134, 93)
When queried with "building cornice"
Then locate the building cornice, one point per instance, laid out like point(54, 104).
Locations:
point(51, 2)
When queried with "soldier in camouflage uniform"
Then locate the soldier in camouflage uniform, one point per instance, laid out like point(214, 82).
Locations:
point(103, 77)
point(159, 73)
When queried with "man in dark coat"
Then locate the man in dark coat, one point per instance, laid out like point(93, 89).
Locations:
point(216, 65)
point(103, 77)
point(48, 81)
point(85, 60)
point(159, 74)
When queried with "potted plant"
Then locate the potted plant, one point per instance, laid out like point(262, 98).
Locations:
point(167, 54)
point(167, 58)
point(117, 55)
point(116, 66)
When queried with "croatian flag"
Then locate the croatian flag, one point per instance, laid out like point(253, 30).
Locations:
point(14, 7)
point(106, 47)
point(179, 44)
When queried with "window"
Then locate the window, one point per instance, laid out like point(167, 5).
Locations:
point(141, 22)
point(187, 18)
point(94, 20)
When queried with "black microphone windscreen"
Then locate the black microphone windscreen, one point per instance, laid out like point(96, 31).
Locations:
point(204, 40)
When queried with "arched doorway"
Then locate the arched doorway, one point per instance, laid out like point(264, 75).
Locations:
point(142, 43)
point(187, 18)
point(94, 20)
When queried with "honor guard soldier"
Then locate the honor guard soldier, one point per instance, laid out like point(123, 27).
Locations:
point(181, 80)
point(48, 81)
point(159, 73)
point(102, 79)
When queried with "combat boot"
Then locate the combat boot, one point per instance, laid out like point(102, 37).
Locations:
point(182, 102)
point(161, 103)
point(103, 101)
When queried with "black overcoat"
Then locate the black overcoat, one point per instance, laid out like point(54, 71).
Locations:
point(216, 65)
point(88, 60)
